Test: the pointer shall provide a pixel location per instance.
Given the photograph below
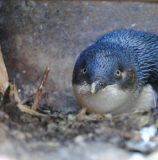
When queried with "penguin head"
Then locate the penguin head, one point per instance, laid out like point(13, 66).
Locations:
point(101, 65)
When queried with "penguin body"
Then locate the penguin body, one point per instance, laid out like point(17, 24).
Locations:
point(118, 73)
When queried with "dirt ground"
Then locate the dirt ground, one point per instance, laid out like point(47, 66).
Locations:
point(68, 136)
point(35, 34)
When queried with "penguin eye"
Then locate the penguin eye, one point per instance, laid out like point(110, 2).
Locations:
point(84, 71)
point(118, 74)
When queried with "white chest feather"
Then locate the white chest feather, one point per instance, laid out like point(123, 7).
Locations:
point(114, 100)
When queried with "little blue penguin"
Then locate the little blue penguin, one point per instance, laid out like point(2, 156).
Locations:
point(118, 73)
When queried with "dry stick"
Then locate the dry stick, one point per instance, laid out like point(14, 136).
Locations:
point(13, 94)
point(126, 134)
point(16, 95)
point(35, 103)
point(27, 99)
point(82, 112)
point(112, 131)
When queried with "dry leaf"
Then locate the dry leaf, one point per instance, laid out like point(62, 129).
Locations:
point(3, 75)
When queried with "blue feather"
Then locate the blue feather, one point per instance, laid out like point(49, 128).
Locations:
point(123, 49)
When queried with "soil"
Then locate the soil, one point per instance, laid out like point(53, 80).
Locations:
point(68, 136)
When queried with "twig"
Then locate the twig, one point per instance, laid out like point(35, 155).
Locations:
point(14, 96)
point(27, 99)
point(25, 109)
point(135, 136)
point(82, 112)
point(35, 103)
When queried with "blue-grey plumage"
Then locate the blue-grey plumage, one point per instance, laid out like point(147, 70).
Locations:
point(118, 73)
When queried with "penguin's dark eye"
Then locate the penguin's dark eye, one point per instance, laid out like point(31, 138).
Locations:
point(118, 74)
point(84, 70)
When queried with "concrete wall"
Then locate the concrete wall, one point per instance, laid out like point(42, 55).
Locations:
point(34, 34)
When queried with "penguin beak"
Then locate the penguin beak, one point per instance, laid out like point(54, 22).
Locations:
point(95, 87)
